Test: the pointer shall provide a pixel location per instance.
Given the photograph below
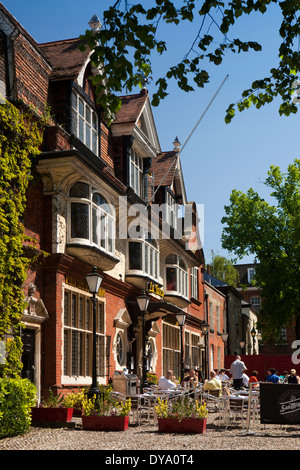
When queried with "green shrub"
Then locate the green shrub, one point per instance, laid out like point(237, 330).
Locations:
point(17, 397)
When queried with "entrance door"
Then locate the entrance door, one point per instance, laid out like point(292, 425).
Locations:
point(28, 339)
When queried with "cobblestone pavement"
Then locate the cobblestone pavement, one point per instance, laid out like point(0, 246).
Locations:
point(146, 437)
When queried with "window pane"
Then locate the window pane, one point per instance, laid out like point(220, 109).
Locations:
point(88, 136)
point(79, 220)
point(95, 226)
point(80, 190)
point(88, 115)
point(135, 256)
point(94, 142)
point(81, 107)
point(171, 259)
point(81, 129)
point(171, 278)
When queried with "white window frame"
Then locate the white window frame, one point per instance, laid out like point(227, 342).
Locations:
point(250, 274)
point(256, 301)
point(181, 277)
point(85, 122)
point(150, 258)
point(78, 323)
point(105, 231)
point(135, 172)
point(194, 283)
point(171, 210)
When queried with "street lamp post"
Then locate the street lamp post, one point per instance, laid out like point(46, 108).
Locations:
point(94, 280)
point(181, 320)
point(253, 334)
point(205, 328)
point(143, 302)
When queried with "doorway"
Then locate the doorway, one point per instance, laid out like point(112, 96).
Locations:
point(28, 355)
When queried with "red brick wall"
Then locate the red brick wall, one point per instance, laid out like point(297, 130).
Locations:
point(32, 75)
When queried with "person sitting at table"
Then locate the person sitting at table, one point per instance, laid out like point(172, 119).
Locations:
point(191, 379)
point(167, 382)
point(223, 376)
point(245, 380)
point(213, 383)
point(253, 378)
point(271, 376)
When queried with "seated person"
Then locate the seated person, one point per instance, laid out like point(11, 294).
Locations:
point(245, 380)
point(253, 379)
point(213, 383)
point(223, 376)
point(167, 382)
point(271, 376)
point(191, 379)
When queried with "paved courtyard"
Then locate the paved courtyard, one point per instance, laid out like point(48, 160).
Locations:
point(146, 437)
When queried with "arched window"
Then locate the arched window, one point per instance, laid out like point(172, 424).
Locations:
point(176, 275)
point(91, 218)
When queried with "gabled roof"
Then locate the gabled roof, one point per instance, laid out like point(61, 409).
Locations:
point(66, 58)
point(131, 108)
point(166, 168)
point(135, 118)
point(163, 168)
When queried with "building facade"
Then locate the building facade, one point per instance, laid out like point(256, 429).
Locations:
point(106, 197)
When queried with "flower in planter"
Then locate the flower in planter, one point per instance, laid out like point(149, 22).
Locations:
point(53, 401)
point(106, 405)
point(152, 378)
point(180, 409)
point(74, 400)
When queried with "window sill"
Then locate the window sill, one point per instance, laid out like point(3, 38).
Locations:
point(176, 298)
point(92, 255)
point(139, 278)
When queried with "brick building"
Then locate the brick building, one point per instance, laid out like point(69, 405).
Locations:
point(250, 293)
point(100, 197)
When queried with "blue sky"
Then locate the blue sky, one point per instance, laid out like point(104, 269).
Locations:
point(218, 157)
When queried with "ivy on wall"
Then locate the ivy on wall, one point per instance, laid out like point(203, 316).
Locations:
point(20, 138)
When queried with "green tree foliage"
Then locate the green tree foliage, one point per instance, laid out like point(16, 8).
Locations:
point(20, 137)
point(223, 269)
point(124, 47)
point(272, 234)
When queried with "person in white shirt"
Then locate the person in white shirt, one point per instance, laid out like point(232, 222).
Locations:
point(167, 382)
point(236, 370)
point(245, 380)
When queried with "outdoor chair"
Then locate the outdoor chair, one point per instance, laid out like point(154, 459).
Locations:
point(236, 408)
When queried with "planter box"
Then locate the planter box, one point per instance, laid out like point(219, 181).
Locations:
point(105, 423)
point(52, 415)
point(185, 426)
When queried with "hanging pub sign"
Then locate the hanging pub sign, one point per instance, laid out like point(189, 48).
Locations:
point(155, 289)
point(279, 403)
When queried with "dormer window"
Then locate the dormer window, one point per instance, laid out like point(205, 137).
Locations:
point(176, 276)
point(135, 172)
point(92, 220)
point(84, 123)
point(250, 274)
point(171, 210)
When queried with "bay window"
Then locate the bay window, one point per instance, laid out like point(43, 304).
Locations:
point(143, 256)
point(91, 218)
point(176, 276)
